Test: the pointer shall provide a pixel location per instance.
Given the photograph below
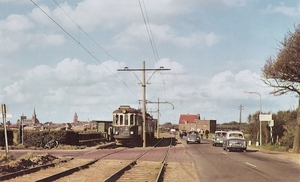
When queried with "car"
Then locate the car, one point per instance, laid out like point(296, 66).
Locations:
point(193, 137)
point(234, 140)
point(217, 138)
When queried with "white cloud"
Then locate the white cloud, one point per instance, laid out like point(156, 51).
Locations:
point(164, 35)
point(283, 9)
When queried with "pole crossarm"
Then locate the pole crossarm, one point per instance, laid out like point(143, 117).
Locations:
point(166, 102)
point(143, 82)
point(138, 69)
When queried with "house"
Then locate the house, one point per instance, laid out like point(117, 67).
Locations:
point(189, 122)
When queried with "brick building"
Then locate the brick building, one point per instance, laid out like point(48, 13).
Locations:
point(193, 122)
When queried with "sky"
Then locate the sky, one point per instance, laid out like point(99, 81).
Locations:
point(61, 57)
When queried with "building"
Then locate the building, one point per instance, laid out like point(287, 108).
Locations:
point(189, 122)
point(33, 121)
point(86, 124)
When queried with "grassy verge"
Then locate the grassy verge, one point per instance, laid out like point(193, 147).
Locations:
point(271, 147)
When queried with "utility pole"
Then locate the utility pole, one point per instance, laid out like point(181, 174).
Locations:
point(157, 124)
point(143, 82)
point(240, 119)
point(4, 115)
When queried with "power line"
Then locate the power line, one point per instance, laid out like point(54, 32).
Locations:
point(151, 38)
point(84, 31)
point(82, 46)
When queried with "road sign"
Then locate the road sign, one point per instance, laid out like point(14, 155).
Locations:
point(265, 117)
point(7, 115)
point(271, 123)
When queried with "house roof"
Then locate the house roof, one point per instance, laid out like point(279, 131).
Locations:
point(188, 118)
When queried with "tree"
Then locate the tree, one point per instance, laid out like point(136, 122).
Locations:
point(253, 126)
point(283, 74)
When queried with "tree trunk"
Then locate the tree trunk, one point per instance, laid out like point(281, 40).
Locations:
point(297, 130)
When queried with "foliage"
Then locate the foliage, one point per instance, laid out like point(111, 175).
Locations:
point(9, 137)
point(253, 127)
point(282, 73)
point(4, 158)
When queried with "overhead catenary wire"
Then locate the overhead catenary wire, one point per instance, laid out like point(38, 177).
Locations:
point(151, 38)
point(84, 31)
point(82, 46)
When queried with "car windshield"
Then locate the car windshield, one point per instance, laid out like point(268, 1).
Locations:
point(220, 133)
point(193, 133)
point(236, 135)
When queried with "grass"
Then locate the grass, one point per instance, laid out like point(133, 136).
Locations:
point(270, 147)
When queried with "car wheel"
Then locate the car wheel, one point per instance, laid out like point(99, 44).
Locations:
point(187, 142)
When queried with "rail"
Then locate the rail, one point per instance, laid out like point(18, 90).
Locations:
point(57, 175)
point(163, 166)
point(117, 175)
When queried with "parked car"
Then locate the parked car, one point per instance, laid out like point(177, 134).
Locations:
point(217, 138)
point(234, 140)
point(193, 137)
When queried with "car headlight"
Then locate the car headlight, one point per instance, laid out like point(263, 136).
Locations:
point(117, 132)
point(131, 132)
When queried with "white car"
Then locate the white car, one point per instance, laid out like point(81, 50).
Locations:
point(234, 140)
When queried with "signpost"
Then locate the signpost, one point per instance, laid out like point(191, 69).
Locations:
point(4, 116)
point(271, 124)
point(268, 118)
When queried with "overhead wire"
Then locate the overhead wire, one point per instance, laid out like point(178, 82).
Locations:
point(84, 31)
point(82, 46)
point(151, 38)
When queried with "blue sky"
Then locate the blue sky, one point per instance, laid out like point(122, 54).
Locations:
point(60, 57)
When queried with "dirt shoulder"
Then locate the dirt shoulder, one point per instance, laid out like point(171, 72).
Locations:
point(292, 157)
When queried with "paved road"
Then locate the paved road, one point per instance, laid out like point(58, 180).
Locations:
point(214, 164)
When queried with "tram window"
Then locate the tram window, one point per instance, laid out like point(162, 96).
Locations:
point(121, 119)
point(131, 119)
point(126, 120)
point(116, 119)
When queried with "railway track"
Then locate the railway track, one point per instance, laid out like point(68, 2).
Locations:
point(140, 169)
point(53, 171)
point(106, 164)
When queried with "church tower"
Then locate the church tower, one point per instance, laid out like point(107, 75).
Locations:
point(75, 119)
point(35, 121)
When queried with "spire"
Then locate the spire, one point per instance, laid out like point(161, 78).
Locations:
point(34, 113)
point(75, 118)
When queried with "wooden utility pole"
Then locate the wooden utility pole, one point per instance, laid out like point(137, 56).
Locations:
point(143, 82)
point(158, 113)
point(4, 115)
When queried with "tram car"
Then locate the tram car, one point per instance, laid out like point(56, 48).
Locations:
point(128, 126)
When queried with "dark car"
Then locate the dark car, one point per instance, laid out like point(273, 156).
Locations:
point(234, 140)
point(193, 137)
point(217, 138)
